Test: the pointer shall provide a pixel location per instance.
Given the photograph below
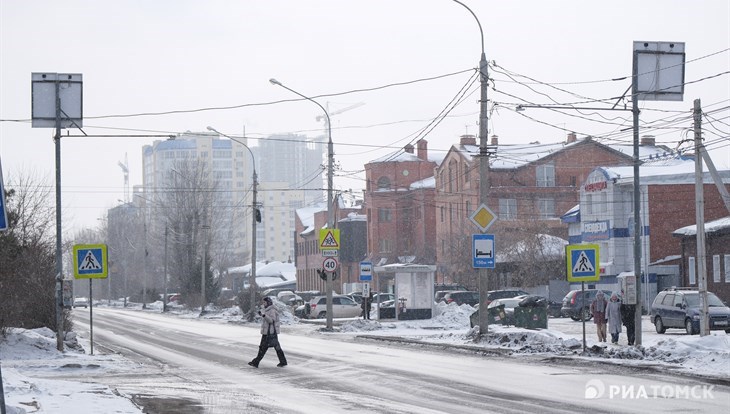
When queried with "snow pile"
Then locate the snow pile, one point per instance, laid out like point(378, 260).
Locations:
point(22, 349)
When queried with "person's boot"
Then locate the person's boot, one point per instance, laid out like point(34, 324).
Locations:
point(282, 358)
point(254, 363)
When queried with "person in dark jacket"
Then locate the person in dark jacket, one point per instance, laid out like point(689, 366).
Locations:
point(367, 305)
point(627, 317)
point(269, 334)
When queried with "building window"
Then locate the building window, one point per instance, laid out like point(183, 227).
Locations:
point(727, 268)
point(442, 214)
point(691, 270)
point(383, 183)
point(451, 176)
point(545, 175)
point(546, 207)
point(507, 208)
point(466, 173)
point(589, 204)
point(716, 268)
point(383, 215)
point(384, 246)
point(467, 209)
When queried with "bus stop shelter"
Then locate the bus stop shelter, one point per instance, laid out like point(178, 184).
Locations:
point(413, 290)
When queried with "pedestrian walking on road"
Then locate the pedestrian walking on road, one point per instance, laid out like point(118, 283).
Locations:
point(269, 334)
point(598, 309)
point(613, 316)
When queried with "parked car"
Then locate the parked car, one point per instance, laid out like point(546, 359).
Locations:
point(441, 290)
point(342, 307)
point(461, 297)
point(504, 293)
point(680, 308)
point(383, 297)
point(579, 308)
point(289, 298)
point(80, 301)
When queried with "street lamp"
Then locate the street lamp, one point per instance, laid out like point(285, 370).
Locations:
point(483, 169)
point(255, 218)
point(330, 211)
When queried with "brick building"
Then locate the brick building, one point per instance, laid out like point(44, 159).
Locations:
point(717, 254)
point(530, 187)
point(353, 239)
point(399, 200)
point(667, 202)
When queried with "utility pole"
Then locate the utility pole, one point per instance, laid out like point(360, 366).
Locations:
point(700, 219)
point(203, 240)
point(164, 298)
point(637, 199)
point(483, 158)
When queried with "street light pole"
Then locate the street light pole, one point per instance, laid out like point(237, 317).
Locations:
point(330, 209)
point(254, 220)
point(483, 171)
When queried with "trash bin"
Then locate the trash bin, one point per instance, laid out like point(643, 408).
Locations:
point(496, 316)
point(532, 317)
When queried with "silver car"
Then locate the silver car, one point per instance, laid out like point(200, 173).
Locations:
point(342, 307)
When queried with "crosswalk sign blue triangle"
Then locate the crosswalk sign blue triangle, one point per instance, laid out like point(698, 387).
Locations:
point(89, 262)
point(583, 264)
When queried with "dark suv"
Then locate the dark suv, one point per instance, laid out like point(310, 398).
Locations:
point(579, 308)
point(680, 308)
point(461, 297)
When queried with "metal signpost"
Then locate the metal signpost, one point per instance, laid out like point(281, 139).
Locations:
point(91, 262)
point(483, 258)
point(3, 227)
point(57, 103)
point(582, 261)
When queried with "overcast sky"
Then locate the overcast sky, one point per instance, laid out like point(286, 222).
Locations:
point(142, 57)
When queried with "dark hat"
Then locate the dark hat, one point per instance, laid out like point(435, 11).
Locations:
point(267, 300)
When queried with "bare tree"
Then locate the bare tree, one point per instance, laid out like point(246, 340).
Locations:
point(27, 254)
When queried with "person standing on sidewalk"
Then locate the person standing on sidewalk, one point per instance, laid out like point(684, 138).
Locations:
point(613, 316)
point(269, 334)
point(627, 316)
point(598, 309)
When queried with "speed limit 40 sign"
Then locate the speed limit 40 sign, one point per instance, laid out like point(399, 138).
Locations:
point(330, 264)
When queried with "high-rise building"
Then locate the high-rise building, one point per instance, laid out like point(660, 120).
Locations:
point(293, 159)
point(211, 177)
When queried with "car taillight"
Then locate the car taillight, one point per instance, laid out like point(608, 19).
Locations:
point(312, 306)
point(572, 300)
point(449, 300)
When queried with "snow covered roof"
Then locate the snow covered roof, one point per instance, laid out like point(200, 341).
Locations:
point(306, 216)
point(355, 217)
point(516, 156)
point(403, 156)
point(551, 247)
point(286, 270)
point(676, 171)
point(710, 227)
point(572, 215)
point(429, 182)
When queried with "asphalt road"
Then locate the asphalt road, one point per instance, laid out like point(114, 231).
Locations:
point(199, 366)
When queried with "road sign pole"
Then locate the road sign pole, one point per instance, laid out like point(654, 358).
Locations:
point(91, 318)
point(582, 304)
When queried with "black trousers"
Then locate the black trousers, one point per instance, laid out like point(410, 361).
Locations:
point(264, 346)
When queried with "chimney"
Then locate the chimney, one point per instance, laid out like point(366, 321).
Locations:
point(495, 140)
point(422, 149)
point(572, 138)
point(408, 148)
point(468, 140)
point(648, 141)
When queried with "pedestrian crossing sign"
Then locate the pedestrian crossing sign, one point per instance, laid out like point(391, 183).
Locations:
point(583, 262)
point(90, 261)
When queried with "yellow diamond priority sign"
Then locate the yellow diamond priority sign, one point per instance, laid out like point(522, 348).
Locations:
point(483, 217)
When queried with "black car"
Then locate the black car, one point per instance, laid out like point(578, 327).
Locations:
point(680, 308)
point(579, 308)
point(461, 297)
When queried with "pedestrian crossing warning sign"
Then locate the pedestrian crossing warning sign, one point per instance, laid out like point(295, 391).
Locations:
point(329, 239)
point(583, 262)
point(90, 261)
